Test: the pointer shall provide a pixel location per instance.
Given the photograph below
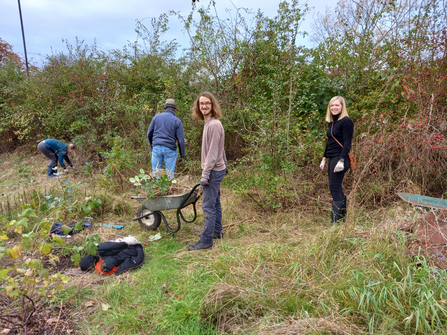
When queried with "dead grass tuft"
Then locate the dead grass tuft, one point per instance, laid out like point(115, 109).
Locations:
point(331, 325)
point(226, 305)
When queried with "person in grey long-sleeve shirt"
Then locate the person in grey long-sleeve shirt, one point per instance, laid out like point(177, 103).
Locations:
point(214, 168)
point(165, 131)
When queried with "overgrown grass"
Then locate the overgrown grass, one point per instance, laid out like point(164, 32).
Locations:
point(284, 272)
point(270, 277)
point(162, 297)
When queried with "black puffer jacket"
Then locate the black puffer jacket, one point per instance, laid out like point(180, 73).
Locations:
point(122, 254)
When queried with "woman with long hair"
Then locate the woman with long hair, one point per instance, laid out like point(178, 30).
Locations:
point(339, 134)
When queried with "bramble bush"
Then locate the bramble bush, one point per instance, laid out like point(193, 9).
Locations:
point(409, 146)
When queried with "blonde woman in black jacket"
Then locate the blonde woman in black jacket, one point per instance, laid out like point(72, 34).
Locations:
point(339, 134)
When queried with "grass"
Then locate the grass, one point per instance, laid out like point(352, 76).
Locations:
point(157, 298)
point(274, 273)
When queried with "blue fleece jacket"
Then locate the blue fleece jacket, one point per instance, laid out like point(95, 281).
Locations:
point(60, 149)
point(166, 129)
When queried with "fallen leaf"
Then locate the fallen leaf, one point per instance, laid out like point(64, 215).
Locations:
point(50, 321)
point(154, 237)
point(105, 306)
point(89, 303)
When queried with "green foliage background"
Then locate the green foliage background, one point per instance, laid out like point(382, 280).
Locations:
point(387, 59)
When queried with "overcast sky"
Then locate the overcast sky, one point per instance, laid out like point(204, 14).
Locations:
point(111, 22)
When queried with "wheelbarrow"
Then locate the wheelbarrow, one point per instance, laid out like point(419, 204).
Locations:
point(424, 201)
point(149, 214)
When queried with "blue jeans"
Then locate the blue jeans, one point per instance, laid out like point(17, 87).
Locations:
point(50, 155)
point(161, 153)
point(211, 207)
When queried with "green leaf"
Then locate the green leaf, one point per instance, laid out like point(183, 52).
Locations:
point(58, 239)
point(15, 252)
point(86, 209)
point(28, 212)
point(46, 248)
point(4, 273)
point(75, 259)
point(27, 241)
point(65, 182)
point(97, 203)
point(66, 229)
point(44, 273)
point(23, 222)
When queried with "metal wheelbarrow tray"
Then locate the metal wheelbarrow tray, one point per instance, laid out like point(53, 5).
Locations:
point(424, 201)
point(149, 214)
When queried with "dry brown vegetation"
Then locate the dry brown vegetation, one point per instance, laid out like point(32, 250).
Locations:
point(267, 264)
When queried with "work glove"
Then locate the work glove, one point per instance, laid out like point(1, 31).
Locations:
point(182, 157)
point(323, 163)
point(204, 182)
point(339, 167)
point(226, 171)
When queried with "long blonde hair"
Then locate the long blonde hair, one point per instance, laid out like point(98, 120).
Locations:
point(216, 111)
point(344, 111)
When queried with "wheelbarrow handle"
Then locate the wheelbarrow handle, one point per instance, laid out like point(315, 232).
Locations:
point(187, 198)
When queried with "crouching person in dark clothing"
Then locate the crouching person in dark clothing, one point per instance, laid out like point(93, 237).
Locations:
point(56, 151)
point(214, 167)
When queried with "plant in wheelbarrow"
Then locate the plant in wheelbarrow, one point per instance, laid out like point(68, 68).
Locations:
point(161, 195)
point(152, 185)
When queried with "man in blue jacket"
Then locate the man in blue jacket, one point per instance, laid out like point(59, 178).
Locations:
point(163, 134)
point(56, 151)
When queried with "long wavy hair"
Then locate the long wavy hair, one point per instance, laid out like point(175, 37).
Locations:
point(216, 111)
point(344, 111)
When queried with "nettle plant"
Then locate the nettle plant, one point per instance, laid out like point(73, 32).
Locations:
point(157, 184)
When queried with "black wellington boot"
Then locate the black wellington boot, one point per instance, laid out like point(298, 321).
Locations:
point(337, 212)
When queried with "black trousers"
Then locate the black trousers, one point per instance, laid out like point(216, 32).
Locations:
point(336, 179)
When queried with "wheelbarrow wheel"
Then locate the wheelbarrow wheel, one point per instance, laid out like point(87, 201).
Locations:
point(150, 222)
